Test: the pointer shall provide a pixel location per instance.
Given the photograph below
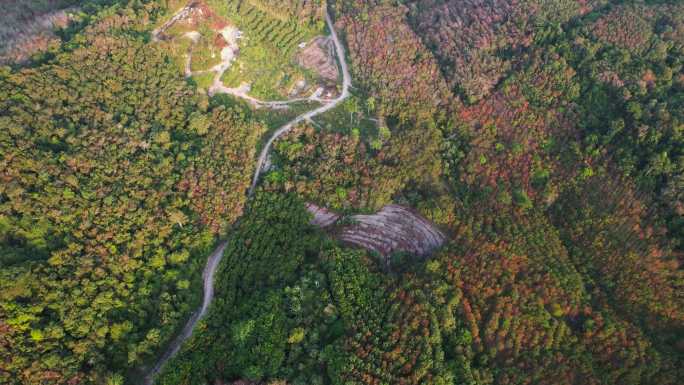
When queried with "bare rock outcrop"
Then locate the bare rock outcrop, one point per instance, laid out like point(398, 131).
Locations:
point(393, 228)
point(322, 217)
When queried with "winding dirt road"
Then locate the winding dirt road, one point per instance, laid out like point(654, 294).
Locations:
point(346, 84)
point(215, 258)
point(174, 347)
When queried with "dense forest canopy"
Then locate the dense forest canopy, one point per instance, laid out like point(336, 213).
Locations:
point(543, 139)
point(117, 177)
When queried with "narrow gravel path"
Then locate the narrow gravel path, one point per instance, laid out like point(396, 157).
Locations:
point(208, 279)
point(215, 258)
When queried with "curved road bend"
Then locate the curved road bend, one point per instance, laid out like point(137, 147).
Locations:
point(346, 83)
point(217, 255)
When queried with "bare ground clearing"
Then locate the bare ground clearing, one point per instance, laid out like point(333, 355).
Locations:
point(392, 229)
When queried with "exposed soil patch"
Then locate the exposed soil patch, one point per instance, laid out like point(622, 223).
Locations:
point(193, 35)
point(318, 56)
point(394, 228)
point(322, 217)
point(190, 19)
point(220, 42)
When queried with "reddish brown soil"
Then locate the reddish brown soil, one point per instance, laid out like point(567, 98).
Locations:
point(220, 42)
point(195, 14)
point(317, 56)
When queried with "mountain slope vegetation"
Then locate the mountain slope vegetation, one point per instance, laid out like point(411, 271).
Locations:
point(543, 139)
point(116, 180)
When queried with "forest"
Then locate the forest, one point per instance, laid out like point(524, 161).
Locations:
point(543, 139)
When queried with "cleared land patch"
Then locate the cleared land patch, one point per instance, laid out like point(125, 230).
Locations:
point(392, 229)
point(251, 50)
point(27, 28)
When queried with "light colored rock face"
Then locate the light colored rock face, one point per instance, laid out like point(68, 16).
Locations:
point(394, 228)
point(322, 217)
point(193, 35)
